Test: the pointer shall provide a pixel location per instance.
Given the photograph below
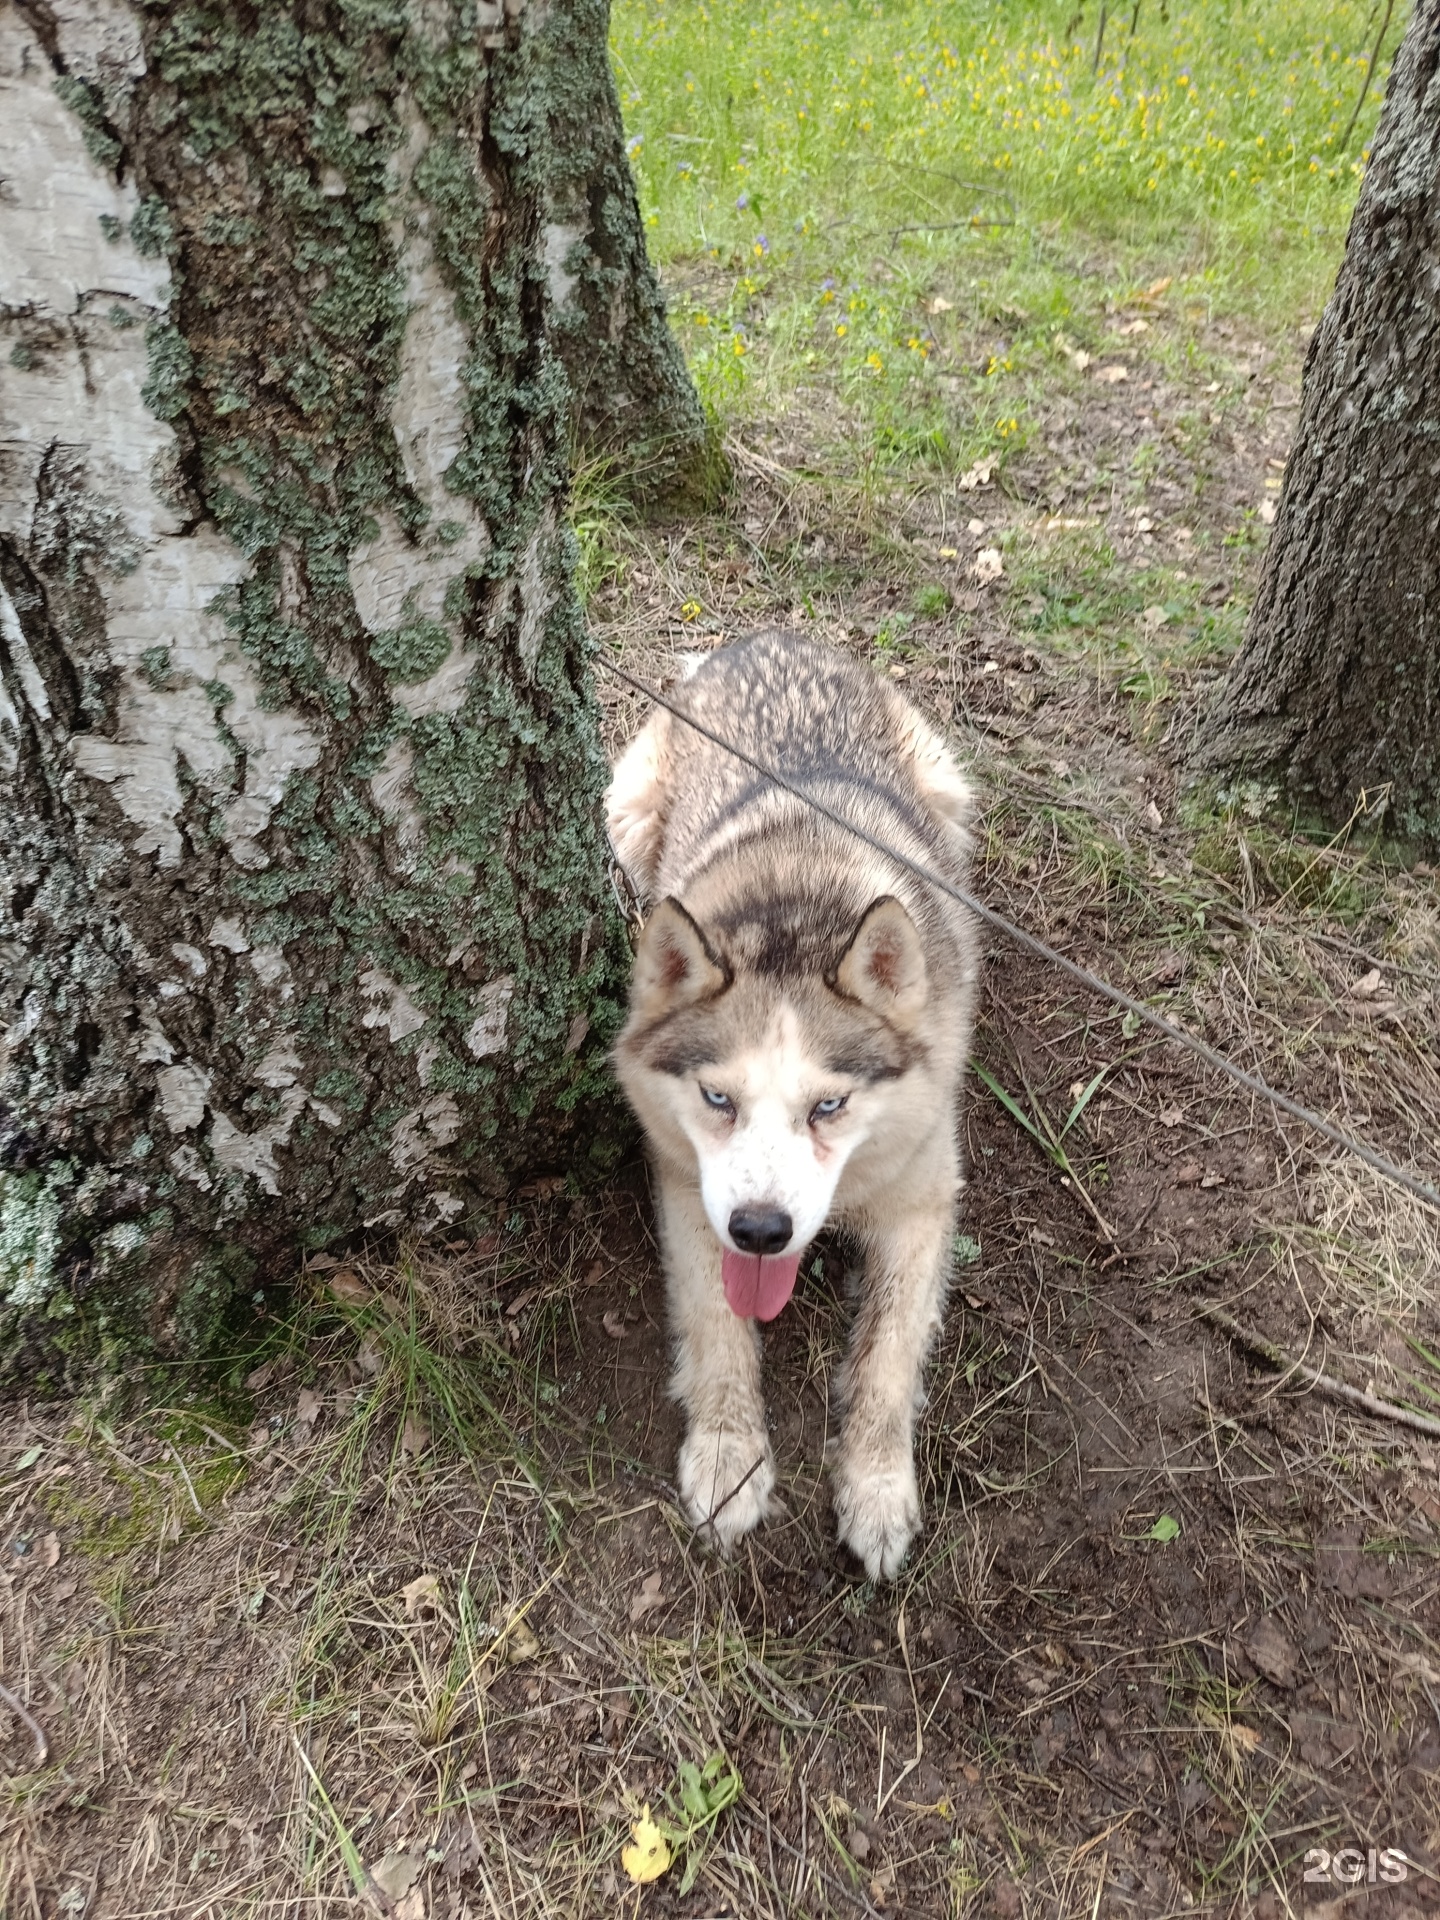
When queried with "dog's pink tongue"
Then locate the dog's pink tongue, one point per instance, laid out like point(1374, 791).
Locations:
point(758, 1288)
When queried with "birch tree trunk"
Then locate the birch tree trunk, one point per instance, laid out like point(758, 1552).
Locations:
point(1336, 690)
point(634, 405)
point(302, 896)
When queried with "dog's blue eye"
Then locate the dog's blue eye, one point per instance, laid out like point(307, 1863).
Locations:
point(825, 1109)
point(721, 1102)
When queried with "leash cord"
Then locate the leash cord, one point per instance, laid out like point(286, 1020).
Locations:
point(1031, 943)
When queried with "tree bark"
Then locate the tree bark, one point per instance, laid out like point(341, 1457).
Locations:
point(302, 887)
point(635, 410)
point(1336, 690)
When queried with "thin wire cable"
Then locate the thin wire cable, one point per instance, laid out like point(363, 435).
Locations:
point(1421, 1189)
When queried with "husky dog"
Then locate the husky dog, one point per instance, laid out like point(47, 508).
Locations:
point(799, 1021)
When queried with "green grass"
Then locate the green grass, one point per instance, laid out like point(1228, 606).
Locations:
point(817, 178)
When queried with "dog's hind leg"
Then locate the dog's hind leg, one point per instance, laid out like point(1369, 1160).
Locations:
point(877, 1502)
point(727, 1467)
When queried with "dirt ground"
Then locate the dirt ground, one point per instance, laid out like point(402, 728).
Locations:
point(402, 1618)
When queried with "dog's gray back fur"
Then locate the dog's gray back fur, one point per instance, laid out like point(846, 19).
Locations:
point(780, 887)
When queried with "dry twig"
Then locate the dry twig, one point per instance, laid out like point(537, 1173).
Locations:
point(1324, 1383)
point(42, 1744)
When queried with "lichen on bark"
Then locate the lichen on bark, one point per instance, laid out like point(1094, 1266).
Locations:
point(305, 894)
point(1334, 698)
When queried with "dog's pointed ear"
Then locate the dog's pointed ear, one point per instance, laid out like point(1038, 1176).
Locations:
point(675, 965)
point(884, 965)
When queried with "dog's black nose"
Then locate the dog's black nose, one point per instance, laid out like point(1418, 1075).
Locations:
point(760, 1229)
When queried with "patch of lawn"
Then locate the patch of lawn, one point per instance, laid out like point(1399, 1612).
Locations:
point(839, 189)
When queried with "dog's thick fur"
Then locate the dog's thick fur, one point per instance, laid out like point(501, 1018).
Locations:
point(785, 967)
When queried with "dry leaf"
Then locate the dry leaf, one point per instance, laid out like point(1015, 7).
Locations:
point(1153, 617)
point(1112, 376)
point(1244, 1736)
point(396, 1874)
point(321, 1263)
point(1272, 1650)
point(1171, 1116)
point(941, 305)
point(422, 1591)
point(414, 1436)
point(348, 1287)
point(49, 1550)
point(648, 1855)
point(977, 527)
point(1267, 512)
point(614, 1324)
point(521, 1301)
point(988, 565)
point(1155, 289)
point(369, 1359)
point(1153, 814)
point(65, 1589)
point(412, 1906)
point(976, 476)
point(1144, 524)
point(260, 1376)
point(521, 1644)
point(1080, 359)
point(307, 1407)
point(1368, 985)
point(1213, 1179)
point(1135, 326)
point(1190, 1175)
point(647, 1599)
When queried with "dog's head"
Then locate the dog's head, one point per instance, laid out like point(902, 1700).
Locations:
point(774, 1077)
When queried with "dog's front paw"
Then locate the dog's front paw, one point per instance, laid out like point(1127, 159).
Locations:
point(726, 1482)
point(877, 1509)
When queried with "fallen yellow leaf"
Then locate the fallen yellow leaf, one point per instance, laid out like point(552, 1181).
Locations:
point(423, 1591)
point(649, 1856)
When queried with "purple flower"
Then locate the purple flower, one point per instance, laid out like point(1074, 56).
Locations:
point(742, 203)
point(762, 245)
